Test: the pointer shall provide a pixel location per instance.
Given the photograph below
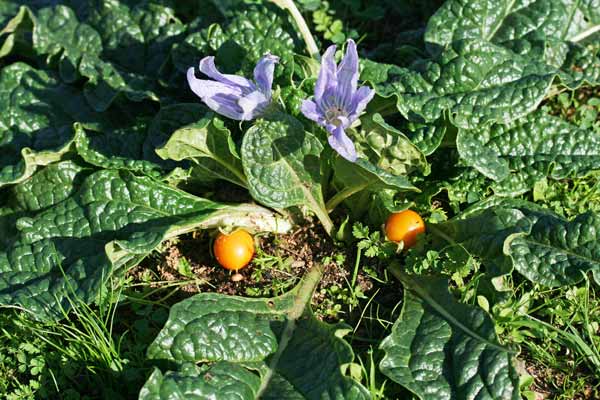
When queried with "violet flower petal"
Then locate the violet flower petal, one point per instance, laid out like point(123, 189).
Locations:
point(361, 98)
point(310, 110)
point(327, 74)
point(263, 73)
point(207, 67)
point(342, 144)
point(253, 104)
point(347, 75)
point(218, 96)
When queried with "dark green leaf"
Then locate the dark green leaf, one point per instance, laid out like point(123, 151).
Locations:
point(388, 148)
point(72, 231)
point(36, 124)
point(281, 162)
point(534, 147)
point(296, 356)
point(209, 145)
point(558, 252)
point(442, 349)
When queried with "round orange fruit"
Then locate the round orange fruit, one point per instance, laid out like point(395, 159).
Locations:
point(404, 226)
point(235, 250)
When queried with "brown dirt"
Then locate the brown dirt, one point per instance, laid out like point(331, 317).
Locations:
point(296, 252)
point(548, 382)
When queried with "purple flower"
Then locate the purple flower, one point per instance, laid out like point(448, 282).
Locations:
point(337, 101)
point(231, 95)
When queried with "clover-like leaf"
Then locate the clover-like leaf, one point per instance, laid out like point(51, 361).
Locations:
point(442, 349)
point(294, 355)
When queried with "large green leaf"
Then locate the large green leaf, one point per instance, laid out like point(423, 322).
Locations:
point(542, 30)
point(295, 355)
point(442, 349)
point(503, 21)
point(238, 46)
point(118, 48)
point(485, 235)
point(534, 147)
point(362, 176)
point(209, 145)
point(71, 231)
point(282, 165)
point(558, 252)
point(474, 81)
point(220, 381)
point(36, 124)
point(128, 140)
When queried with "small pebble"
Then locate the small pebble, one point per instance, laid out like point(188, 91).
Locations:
point(237, 277)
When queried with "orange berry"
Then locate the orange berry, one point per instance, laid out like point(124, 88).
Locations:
point(234, 251)
point(404, 226)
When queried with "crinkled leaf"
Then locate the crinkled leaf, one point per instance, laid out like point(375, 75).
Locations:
point(36, 124)
point(72, 231)
point(295, 356)
point(364, 176)
point(388, 148)
point(209, 145)
point(118, 148)
point(220, 381)
point(238, 47)
point(427, 137)
point(442, 349)
point(506, 20)
point(534, 147)
point(474, 81)
point(168, 120)
point(118, 48)
point(538, 29)
point(485, 235)
point(281, 163)
point(558, 252)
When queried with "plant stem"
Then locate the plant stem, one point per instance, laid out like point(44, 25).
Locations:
point(355, 272)
point(441, 234)
point(302, 299)
point(343, 195)
point(311, 45)
point(586, 33)
point(324, 219)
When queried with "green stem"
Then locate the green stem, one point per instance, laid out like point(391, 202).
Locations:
point(356, 264)
point(301, 303)
point(343, 195)
point(324, 219)
point(443, 235)
point(586, 33)
point(311, 45)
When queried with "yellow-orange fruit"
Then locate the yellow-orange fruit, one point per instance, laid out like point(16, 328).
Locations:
point(234, 251)
point(404, 226)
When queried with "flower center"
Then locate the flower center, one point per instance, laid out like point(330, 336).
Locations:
point(332, 114)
